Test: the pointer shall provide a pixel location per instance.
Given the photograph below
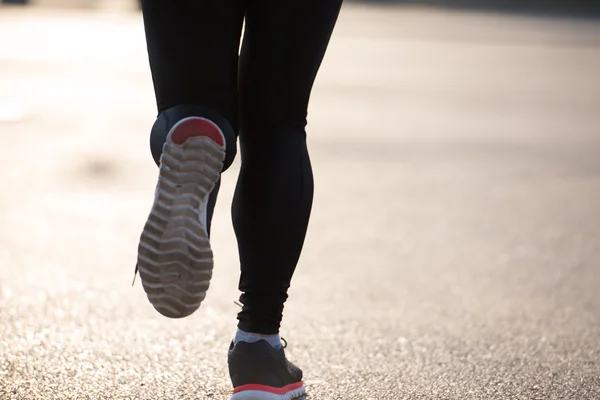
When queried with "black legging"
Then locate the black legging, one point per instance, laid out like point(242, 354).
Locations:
point(193, 50)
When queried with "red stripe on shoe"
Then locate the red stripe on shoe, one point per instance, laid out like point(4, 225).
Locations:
point(194, 127)
point(270, 389)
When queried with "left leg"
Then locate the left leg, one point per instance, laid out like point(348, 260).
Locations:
point(193, 53)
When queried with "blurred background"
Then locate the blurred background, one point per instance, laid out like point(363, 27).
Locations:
point(454, 245)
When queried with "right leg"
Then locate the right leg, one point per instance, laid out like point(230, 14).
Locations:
point(284, 44)
point(193, 53)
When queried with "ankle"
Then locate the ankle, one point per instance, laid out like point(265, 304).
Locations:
point(250, 337)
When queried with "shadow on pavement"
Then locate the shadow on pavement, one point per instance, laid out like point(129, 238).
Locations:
point(585, 9)
point(549, 8)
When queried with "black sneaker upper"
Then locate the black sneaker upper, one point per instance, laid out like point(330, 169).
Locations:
point(259, 363)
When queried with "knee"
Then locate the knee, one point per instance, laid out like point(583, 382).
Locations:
point(169, 117)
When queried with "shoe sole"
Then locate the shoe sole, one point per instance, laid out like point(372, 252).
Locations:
point(296, 393)
point(175, 260)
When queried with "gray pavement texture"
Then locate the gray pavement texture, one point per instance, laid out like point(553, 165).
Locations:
point(454, 246)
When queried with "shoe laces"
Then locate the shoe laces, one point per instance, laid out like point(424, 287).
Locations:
point(134, 275)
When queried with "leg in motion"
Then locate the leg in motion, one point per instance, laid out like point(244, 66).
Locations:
point(193, 53)
point(284, 44)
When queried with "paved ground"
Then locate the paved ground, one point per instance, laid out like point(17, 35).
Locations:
point(454, 248)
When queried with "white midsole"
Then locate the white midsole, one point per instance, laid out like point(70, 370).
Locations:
point(175, 280)
point(261, 395)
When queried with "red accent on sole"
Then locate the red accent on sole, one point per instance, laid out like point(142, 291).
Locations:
point(194, 127)
point(270, 389)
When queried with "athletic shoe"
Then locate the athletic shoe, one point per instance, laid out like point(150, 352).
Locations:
point(260, 372)
point(175, 260)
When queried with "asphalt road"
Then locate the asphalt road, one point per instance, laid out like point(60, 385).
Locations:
point(454, 247)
